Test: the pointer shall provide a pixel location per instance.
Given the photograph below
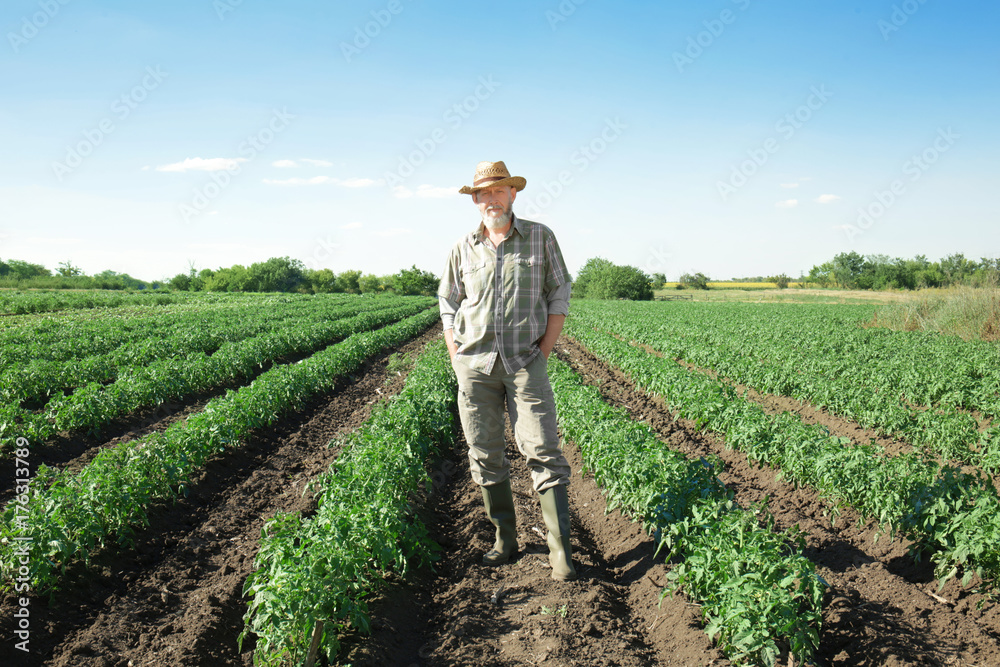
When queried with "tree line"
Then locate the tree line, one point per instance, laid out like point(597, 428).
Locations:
point(851, 270)
point(277, 274)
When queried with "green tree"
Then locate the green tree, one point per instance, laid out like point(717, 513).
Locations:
point(956, 267)
point(66, 269)
point(321, 281)
point(696, 281)
point(278, 274)
point(180, 282)
point(349, 282)
point(822, 275)
point(592, 268)
point(21, 270)
point(413, 281)
point(601, 279)
point(847, 267)
point(369, 283)
point(235, 278)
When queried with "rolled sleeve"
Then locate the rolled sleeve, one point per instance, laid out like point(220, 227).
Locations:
point(448, 309)
point(558, 300)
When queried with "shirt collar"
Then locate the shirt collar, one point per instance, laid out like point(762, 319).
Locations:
point(517, 225)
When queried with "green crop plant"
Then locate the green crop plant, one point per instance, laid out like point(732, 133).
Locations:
point(320, 568)
point(953, 517)
point(70, 514)
point(758, 595)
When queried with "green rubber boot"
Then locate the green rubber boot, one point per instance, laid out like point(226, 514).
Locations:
point(555, 511)
point(499, 501)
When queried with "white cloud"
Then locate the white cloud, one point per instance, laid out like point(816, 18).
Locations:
point(284, 164)
point(203, 164)
point(827, 199)
point(425, 191)
point(352, 225)
point(788, 203)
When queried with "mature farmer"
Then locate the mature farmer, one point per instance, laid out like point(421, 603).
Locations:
point(504, 297)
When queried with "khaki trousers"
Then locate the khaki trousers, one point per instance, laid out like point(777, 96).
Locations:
point(527, 398)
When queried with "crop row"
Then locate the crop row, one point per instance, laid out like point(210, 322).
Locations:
point(953, 515)
point(94, 405)
point(318, 569)
point(123, 337)
point(42, 301)
point(757, 595)
point(912, 385)
point(67, 515)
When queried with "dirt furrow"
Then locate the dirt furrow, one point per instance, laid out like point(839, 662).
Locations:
point(882, 608)
point(176, 598)
point(465, 613)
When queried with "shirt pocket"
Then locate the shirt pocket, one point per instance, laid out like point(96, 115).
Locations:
point(476, 279)
point(522, 273)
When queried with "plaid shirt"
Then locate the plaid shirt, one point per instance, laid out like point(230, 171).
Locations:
point(501, 297)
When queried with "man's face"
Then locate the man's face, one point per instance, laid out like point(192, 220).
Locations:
point(495, 205)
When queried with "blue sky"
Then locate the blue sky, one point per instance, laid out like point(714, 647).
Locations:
point(731, 137)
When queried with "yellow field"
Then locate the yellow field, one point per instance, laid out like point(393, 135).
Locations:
point(735, 285)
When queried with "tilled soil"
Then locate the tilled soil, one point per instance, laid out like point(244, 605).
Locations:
point(176, 599)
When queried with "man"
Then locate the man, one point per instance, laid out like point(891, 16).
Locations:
point(504, 297)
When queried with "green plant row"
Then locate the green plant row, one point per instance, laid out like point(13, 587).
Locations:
point(911, 385)
point(98, 352)
point(70, 514)
point(41, 301)
point(952, 515)
point(92, 406)
point(75, 334)
point(321, 567)
point(759, 596)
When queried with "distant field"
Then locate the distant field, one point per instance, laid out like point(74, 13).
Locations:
point(728, 292)
point(730, 284)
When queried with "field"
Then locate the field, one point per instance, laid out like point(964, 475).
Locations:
point(245, 479)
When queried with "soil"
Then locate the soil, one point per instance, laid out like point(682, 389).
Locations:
point(176, 598)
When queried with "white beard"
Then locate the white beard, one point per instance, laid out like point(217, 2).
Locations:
point(498, 221)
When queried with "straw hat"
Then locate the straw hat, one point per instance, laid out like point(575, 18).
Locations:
point(490, 174)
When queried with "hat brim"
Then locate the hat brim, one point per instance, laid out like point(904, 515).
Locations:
point(516, 182)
